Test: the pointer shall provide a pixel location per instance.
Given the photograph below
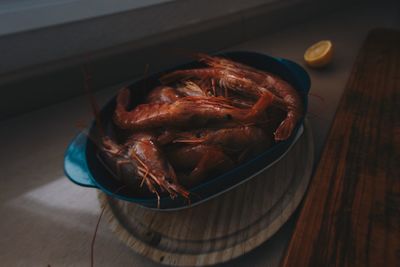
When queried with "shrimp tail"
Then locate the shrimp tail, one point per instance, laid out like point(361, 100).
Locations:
point(285, 129)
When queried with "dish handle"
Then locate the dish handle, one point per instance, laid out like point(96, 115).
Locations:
point(300, 74)
point(75, 165)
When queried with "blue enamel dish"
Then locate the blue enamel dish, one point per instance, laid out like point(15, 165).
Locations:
point(82, 166)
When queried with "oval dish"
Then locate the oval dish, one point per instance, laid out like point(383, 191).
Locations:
point(82, 166)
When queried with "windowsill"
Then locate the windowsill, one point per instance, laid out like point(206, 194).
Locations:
point(48, 31)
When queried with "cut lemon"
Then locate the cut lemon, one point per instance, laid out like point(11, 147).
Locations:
point(319, 54)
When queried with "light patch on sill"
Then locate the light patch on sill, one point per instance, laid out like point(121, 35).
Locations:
point(60, 201)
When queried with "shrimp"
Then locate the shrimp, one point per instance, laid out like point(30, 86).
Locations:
point(207, 151)
point(224, 63)
point(225, 78)
point(143, 158)
point(202, 161)
point(228, 80)
point(232, 140)
point(271, 82)
point(198, 110)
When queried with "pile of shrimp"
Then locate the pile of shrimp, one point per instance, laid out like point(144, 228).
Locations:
point(199, 123)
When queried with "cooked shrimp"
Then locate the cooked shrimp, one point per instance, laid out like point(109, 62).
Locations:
point(198, 110)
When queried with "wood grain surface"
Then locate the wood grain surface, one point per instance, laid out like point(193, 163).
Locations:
point(222, 228)
point(351, 213)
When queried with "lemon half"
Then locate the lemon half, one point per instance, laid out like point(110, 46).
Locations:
point(319, 54)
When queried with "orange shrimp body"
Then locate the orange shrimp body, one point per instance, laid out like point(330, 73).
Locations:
point(202, 160)
point(206, 150)
point(227, 79)
point(185, 110)
point(224, 77)
point(276, 85)
point(231, 139)
point(293, 103)
point(142, 158)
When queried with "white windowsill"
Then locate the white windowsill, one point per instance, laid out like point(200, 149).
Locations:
point(34, 32)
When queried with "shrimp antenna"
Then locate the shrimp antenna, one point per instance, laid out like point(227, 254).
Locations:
point(90, 95)
point(145, 75)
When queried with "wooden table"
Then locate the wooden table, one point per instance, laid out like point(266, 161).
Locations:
point(351, 214)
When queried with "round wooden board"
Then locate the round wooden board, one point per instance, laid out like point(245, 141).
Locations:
point(224, 227)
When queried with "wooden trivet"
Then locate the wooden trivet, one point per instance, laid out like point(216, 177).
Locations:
point(222, 228)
